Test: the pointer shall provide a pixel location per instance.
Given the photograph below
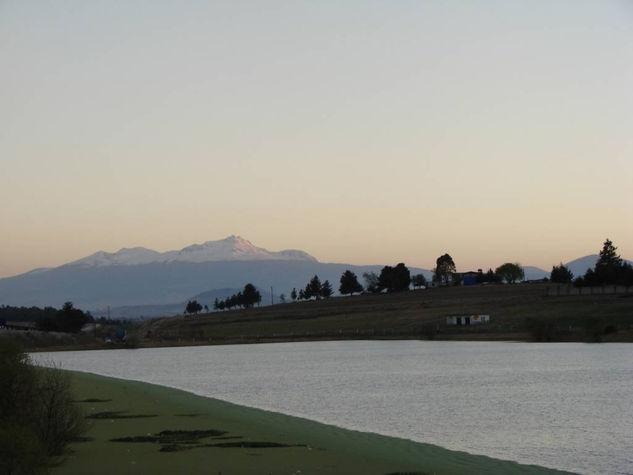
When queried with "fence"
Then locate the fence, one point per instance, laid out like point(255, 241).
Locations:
point(569, 290)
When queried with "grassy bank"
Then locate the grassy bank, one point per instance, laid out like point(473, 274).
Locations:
point(518, 312)
point(166, 431)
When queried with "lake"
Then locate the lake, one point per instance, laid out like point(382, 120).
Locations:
point(561, 405)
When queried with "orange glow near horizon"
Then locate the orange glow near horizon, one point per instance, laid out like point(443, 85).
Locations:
point(365, 133)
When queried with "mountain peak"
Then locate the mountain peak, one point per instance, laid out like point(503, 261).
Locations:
point(231, 248)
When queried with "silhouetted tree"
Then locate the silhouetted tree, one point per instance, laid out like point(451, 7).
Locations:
point(326, 289)
point(561, 274)
point(313, 288)
point(609, 264)
point(610, 269)
point(384, 279)
point(349, 283)
point(400, 278)
point(293, 294)
point(26, 314)
point(444, 269)
point(193, 307)
point(68, 319)
point(249, 296)
point(488, 277)
point(510, 272)
point(394, 279)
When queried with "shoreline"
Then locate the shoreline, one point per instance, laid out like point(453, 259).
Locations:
point(311, 447)
point(184, 344)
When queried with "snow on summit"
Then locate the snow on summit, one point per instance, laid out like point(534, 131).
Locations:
point(232, 248)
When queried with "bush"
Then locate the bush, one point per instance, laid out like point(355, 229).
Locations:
point(20, 451)
point(37, 415)
point(56, 418)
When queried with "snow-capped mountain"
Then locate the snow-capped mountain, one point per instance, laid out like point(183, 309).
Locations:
point(233, 248)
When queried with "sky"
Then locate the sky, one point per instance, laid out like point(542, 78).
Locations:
point(365, 132)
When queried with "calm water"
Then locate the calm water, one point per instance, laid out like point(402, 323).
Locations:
point(566, 406)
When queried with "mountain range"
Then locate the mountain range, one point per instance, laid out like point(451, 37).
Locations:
point(139, 281)
point(233, 248)
point(145, 281)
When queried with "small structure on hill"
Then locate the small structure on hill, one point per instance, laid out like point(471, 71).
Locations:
point(470, 277)
point(457, 320)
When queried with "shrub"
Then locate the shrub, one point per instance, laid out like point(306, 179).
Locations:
point(37, 415)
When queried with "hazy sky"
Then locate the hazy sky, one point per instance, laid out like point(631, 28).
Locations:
point(359, 131)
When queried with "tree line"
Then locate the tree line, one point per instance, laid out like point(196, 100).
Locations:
point(313, 289)
point(610, 269)
point(67, 319)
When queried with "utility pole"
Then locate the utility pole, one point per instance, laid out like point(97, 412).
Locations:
point(272, 301)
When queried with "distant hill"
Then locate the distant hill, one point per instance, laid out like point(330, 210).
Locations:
point(535, 273)
point(580, 266)
point(166, 310)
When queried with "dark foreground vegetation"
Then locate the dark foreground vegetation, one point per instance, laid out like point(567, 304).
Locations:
point(38, 417)
point(68, 319)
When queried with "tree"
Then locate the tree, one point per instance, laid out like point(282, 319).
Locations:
point(326, 289)
point(371, 282)
point(444, 269)
point(418, 281)
point(249, 296)
point(561, 274)
point(394, 279)
point(608, 256)
point(400, 278)
point(313, 288)
point(488, 277)
point(293, 294)
point(384, 279)
point(68, 319)
point(349, 283)
point(610, 269)
point(193, 307)
point(510, 272)
point(609, 264)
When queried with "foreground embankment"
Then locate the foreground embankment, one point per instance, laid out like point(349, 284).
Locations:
point(143, 428)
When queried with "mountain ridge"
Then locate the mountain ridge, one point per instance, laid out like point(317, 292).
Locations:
point(232, 248)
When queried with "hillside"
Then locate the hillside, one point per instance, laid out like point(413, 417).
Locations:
point(517, 312)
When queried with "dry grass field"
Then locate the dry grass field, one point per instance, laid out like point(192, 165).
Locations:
point(517, 312)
